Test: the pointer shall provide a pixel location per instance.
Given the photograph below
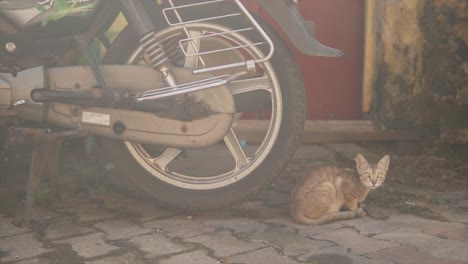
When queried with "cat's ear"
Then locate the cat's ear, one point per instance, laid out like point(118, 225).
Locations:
point(361, 163)
point(383, 163)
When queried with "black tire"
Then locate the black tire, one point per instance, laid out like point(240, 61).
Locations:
point(290, 132)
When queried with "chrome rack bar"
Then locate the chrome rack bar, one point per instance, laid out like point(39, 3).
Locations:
point(174, 9)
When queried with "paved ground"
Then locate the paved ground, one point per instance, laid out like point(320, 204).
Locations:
point(408, 222)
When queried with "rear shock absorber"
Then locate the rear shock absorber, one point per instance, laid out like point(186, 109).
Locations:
point(155, 54)
point(137, 16)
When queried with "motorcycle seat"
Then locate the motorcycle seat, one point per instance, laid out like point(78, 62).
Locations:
point(17, 4)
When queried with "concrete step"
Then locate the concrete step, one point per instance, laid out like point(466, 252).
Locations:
point(329, 131)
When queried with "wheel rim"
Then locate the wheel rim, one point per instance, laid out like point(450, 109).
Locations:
point(170, 165)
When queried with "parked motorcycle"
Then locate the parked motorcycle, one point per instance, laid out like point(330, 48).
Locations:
point(170, 91)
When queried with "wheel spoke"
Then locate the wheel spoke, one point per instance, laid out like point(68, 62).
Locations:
point(232, 142)
point(167, 157)
point(249, 85)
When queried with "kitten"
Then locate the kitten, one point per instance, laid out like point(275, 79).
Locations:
point(325, 191)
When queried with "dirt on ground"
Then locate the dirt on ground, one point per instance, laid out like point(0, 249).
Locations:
point(430, 182)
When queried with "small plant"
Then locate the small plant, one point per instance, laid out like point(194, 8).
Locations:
point(89, 146)
point(42, 195)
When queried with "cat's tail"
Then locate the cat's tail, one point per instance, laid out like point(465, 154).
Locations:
point(302, 219)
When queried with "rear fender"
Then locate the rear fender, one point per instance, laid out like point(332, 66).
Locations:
point(301, 33)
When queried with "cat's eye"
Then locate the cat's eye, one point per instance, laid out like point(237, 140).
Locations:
point(380, 175)
point(366, 175)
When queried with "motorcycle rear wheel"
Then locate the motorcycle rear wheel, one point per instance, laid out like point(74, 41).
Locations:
point(180, 178)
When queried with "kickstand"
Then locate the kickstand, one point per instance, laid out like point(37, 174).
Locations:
point(38, 164)
point(45, 159)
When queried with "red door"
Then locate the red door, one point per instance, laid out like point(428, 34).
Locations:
point(334, 85)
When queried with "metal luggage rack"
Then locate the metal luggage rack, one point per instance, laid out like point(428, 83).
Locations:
point(188, 45)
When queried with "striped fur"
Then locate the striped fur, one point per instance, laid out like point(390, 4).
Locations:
point(320, 198)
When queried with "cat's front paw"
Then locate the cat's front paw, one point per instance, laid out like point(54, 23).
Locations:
point(361, 212)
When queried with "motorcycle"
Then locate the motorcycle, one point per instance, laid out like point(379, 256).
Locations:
point(169, 93)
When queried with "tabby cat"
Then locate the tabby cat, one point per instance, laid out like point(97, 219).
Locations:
point(326, 191)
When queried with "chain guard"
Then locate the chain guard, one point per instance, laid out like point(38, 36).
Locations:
point(199, 129)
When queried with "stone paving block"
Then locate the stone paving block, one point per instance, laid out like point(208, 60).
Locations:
point(226, 218)
point(257, 210)
point(409, 235)
point(219, 214)
point(155, 245)
point(358, 244)
point(89, 246)
point(337, 255)
point(121, 229)
point(247, 229)
point(454, 231)
point(408, 255)
point(370, 227)
point(37, 260)
point(224, 244)
point(146, 210)
point(262, 256)
point(7, 228)
point(64, 227)
point(128, 258)
point(410, 220)
point(21, 247)
point(242, 227)
point(304, 230)
point(443, 248)
point(180, 226)
point(289, 242)
point(89, 212)
point(194, 257)
point(230, 222)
